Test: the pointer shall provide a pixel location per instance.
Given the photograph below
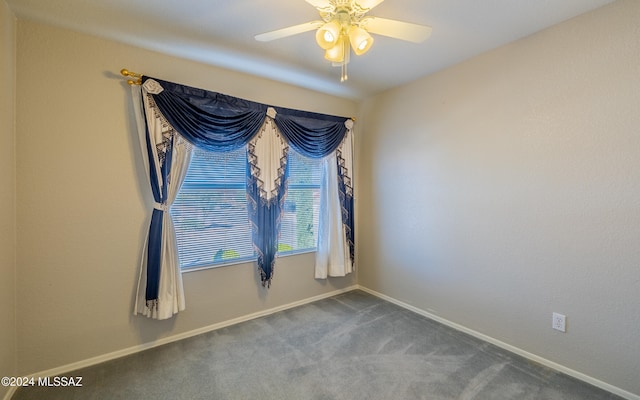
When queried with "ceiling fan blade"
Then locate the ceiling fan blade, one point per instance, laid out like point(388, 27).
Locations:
point(323, 5)
point(397, 29)
point(289, 31)
point(366, 5)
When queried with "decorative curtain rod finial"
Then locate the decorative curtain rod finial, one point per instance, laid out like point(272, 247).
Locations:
point(137, 81)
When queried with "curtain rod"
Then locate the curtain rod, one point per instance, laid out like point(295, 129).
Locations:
point(138, 79)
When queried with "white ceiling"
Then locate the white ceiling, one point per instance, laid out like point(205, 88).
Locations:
point(220, 32)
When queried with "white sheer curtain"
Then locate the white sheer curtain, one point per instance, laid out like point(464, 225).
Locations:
point(332, 255)
point(170, 293)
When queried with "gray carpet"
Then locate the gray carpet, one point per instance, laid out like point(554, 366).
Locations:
point(351, 346)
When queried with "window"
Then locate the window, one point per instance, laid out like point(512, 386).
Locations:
point(210, 211)
point(299, 229)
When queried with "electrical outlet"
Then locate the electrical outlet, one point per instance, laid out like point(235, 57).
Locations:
point(559, 322)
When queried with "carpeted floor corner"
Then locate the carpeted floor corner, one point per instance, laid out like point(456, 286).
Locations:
point(351, 346)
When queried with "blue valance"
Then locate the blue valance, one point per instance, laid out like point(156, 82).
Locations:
point(218, 122)
point(209, 120)
point(311, 134)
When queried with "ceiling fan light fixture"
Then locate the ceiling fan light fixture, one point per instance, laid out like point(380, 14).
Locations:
point(336, 53)
point(328, 35)
point(360, 40)
point(344, 25)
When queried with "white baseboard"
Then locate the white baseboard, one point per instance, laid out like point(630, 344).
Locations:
point(540, 360)
point(64, 369)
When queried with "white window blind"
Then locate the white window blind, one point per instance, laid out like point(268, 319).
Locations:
point(210, 211)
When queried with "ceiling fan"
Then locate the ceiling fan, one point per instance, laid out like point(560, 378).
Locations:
point(345, 25)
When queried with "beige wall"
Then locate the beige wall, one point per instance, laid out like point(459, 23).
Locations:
point(83, 204)
point(7, 195)
point(507, 187)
